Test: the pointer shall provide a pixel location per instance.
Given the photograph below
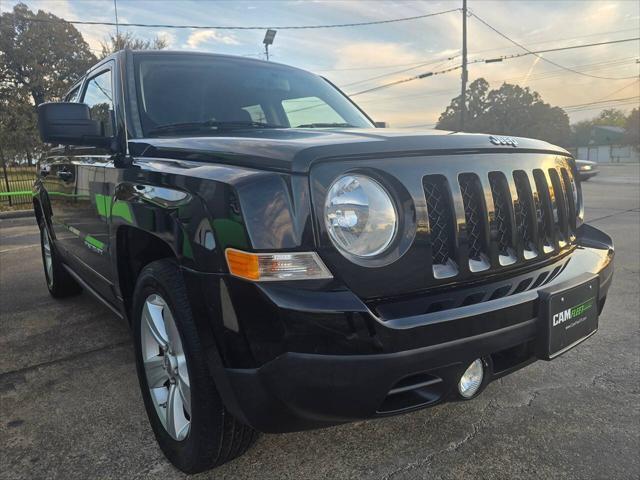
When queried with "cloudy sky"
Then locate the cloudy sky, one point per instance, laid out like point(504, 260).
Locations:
point(358, 58)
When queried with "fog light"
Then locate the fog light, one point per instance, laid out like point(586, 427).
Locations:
point(471, 379)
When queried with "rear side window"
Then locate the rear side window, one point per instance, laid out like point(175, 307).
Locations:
point(309, 111)
point(73, 95)
point(99, 96)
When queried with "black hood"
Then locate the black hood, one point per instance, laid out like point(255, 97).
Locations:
point(294, 150)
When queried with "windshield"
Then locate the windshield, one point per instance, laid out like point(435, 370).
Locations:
point(181, 94)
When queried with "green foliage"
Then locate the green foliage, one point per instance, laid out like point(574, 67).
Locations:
point(45, 57)
point(121, 41)
point(581, 131)
point(612, 117)
point(632, 128)
point(508, 110)
point(39, 61)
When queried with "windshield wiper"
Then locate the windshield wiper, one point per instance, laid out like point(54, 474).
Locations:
point(209, 125)
point(326, 125)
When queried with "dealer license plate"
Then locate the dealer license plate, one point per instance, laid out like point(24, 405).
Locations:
point(569, 315)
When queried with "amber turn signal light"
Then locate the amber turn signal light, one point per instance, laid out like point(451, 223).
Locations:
point(261, 267)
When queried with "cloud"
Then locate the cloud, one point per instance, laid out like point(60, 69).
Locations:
point(210, 36)
point(375, 54)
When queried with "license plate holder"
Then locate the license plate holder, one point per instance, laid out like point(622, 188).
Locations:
point(568, 315)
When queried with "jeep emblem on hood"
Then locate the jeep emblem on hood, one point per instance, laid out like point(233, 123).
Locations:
point(503, 141)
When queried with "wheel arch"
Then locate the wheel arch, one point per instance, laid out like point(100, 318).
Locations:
point(134, 249)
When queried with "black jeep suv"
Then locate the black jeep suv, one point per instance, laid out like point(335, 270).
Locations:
point(284, 265)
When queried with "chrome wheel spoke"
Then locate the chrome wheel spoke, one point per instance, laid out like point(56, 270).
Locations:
point(153, 321)
point(157, 376)
point(172, 334)
point(185, 392)
point(177, 424)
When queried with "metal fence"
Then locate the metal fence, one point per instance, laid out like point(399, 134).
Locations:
point(15, 185)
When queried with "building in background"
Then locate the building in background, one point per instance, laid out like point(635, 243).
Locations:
point(607, 144)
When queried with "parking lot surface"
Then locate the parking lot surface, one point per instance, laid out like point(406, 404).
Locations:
point(70, 405)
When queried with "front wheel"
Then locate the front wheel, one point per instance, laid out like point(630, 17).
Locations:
point(189, 420)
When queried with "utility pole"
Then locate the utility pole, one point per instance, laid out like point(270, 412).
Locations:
point(463, 95)
point(115, 7)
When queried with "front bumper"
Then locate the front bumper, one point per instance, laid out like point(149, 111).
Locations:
point(322, 357)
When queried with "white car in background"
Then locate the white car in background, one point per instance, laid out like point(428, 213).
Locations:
point(587, 169)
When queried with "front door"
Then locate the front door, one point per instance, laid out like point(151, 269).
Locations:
point(78, 194)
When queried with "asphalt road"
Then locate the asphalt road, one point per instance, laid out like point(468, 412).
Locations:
point(70, 405)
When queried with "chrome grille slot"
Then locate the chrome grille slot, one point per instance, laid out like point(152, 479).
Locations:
point(441, 225)
point(571, 195)
point(561, 207)
point(504, 218)
point(525, 214)
point(476, 221)
point(545, 211)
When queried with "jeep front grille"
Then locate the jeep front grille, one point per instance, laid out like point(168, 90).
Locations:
point(476, 226)
point(504, 215)
point(441, 225)
point(480, 222)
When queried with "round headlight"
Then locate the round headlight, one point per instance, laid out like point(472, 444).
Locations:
point(360, 216)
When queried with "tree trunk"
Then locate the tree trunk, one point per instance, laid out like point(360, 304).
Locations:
point(4, 171)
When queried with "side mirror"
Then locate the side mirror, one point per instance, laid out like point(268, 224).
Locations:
point(381, 124)
point(69, 123)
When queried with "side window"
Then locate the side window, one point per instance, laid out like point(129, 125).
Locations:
point(309, 110)
point(99, 97)
point(73, 95)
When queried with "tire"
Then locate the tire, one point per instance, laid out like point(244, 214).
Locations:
point(213, 436)
point(59, 282)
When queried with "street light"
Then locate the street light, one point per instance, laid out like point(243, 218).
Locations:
point(268, 40)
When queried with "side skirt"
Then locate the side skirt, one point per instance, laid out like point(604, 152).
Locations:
point(93, 292)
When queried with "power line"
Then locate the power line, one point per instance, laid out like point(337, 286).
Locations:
point(529, 52)
point(228, 27)
point(442, 62)
point(541, 76)
point(621, 89)
point(499, 59)
point(601, 107)
point(559, 49)
point(394, 65)
point(405, 80)
point(615, 100)
point(539, 42)
point(540, 56)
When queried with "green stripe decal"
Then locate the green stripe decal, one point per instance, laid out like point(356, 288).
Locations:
point(94, 242)
point(107, 208)
point(123, 210)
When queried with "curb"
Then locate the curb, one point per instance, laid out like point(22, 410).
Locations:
point(16, 214)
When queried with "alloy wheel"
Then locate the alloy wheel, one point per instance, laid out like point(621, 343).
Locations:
point(48, 258)
point(165, 367)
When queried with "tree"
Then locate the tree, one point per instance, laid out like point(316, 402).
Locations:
point(40, 53)
point(41, 56)
point(508, 110)
point(581, 131)
point(632, 128)
point(611, 116)
point(121, 41)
